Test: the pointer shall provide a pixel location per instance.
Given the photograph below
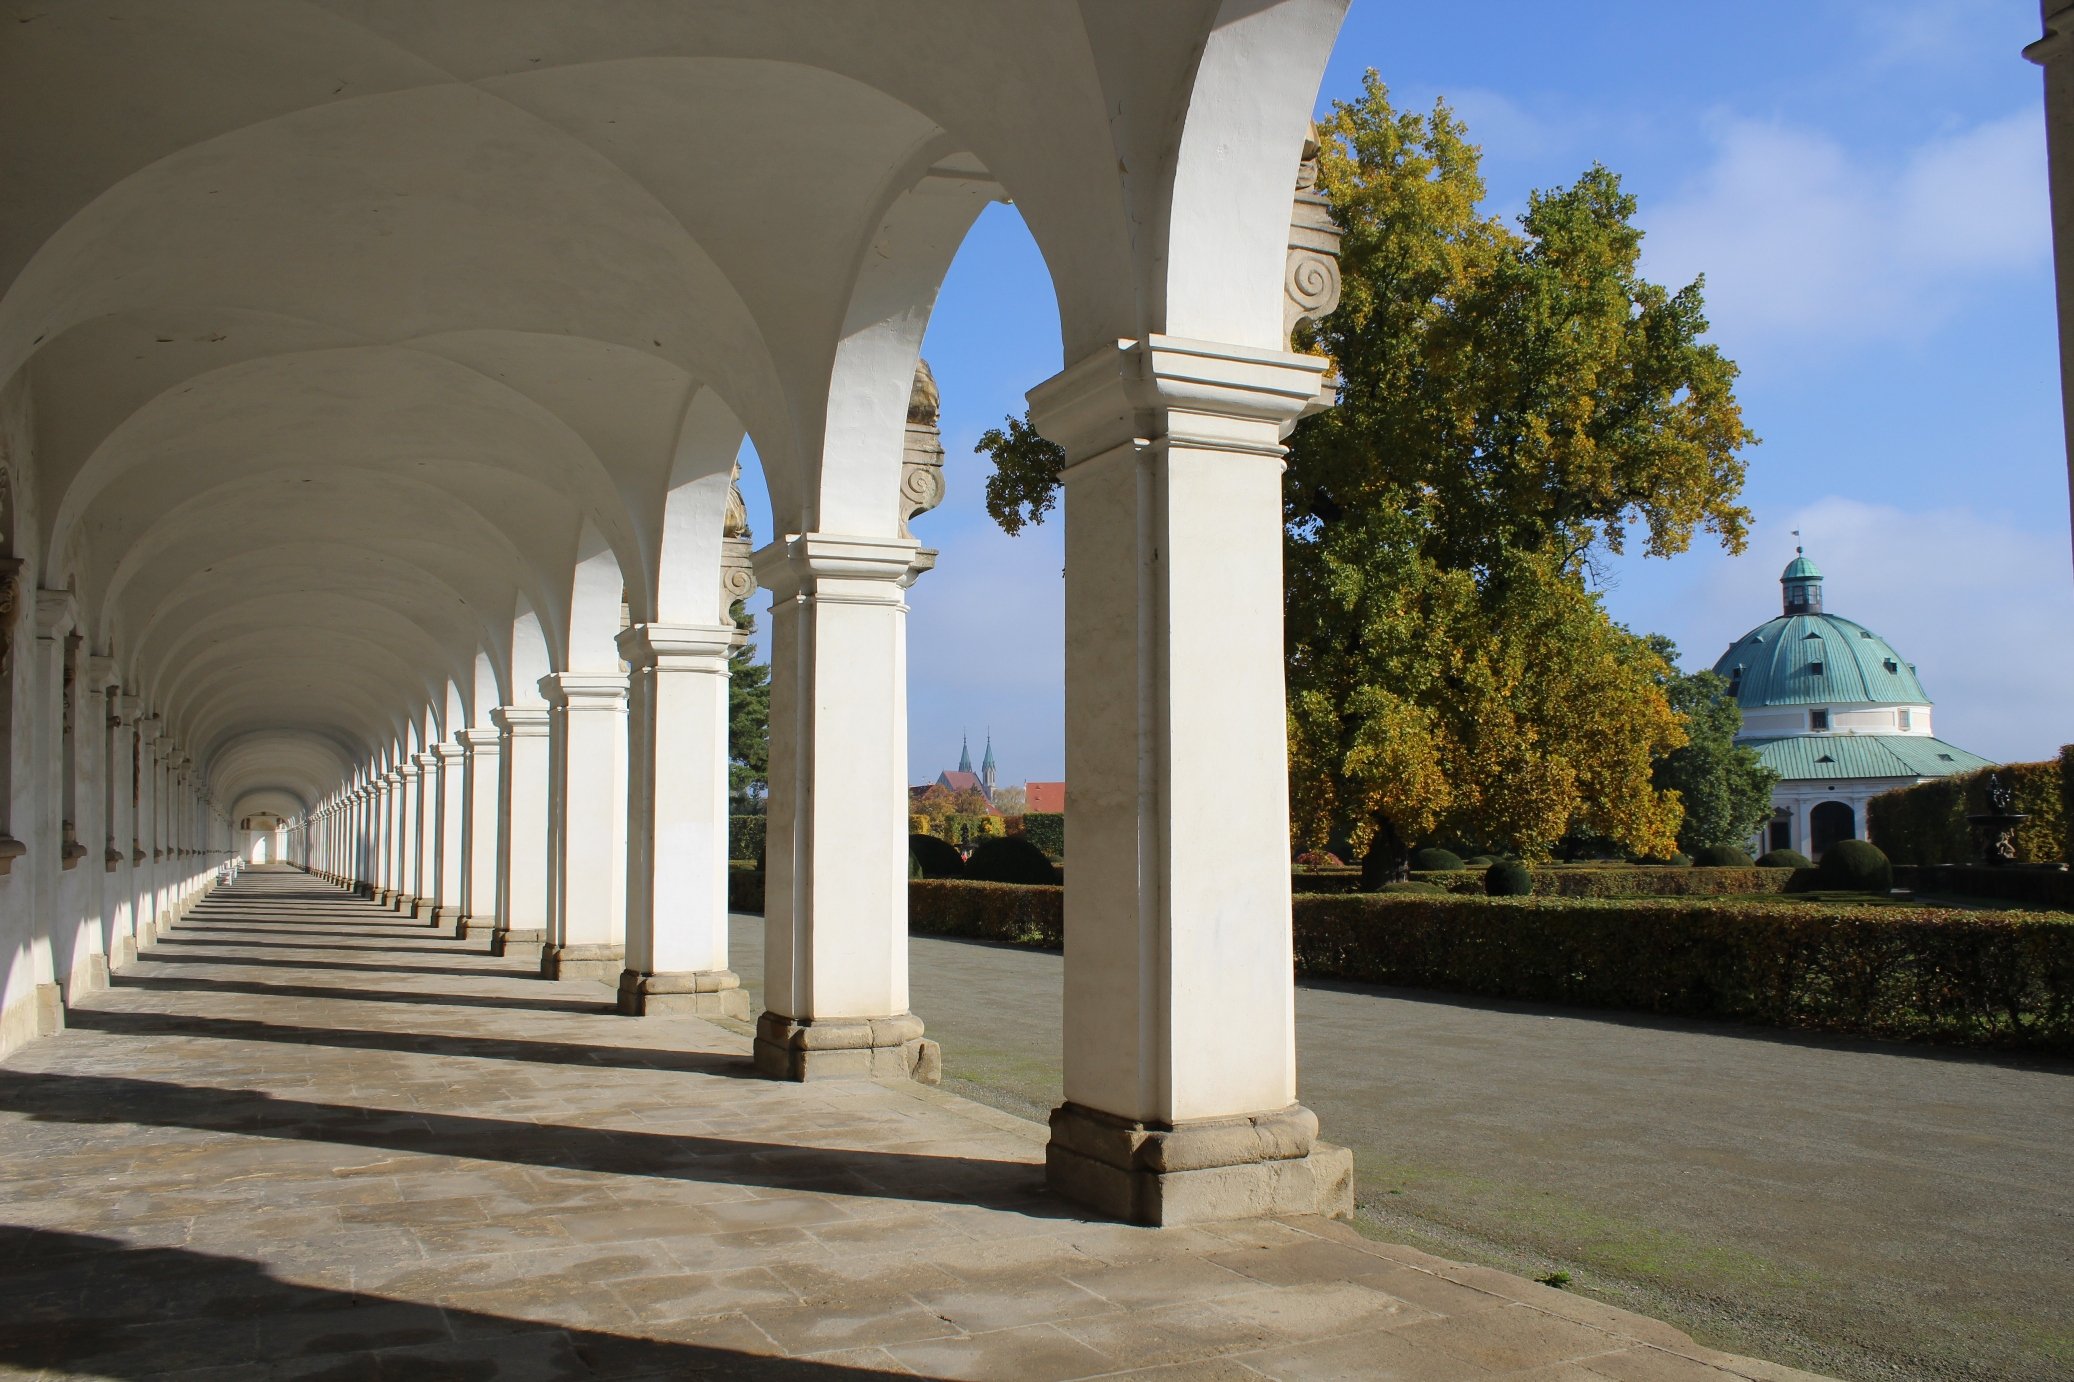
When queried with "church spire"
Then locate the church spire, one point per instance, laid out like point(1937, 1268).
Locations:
point(964, 752)
point(986, 765)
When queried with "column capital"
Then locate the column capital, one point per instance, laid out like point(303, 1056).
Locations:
point(521, 721)
point(577, 691)
point(478, 740)
point(407, 769)
point(448, 753)
point(2058, 40)
point(100, 674)
point(678, 647)
point(57, 613)
point(428, 759)
point(841, 568)
point(1206, 395)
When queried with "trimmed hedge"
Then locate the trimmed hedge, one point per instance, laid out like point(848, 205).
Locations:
point(1785, 859)
point(2033, 885)
point(745, 891)
point(1926, 823)
point(1007, 913)
point(1722, 857)
point(938, 860)
point(1983, 977)
point(1856, 866)
point(1573, 881)
point(2004, 977)
point(745, 836)
point(1011, 860)
point(1047, 831)
point(1433, 859)
point(1508, 878)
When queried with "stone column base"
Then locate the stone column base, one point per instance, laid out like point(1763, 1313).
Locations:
point(849, 1048)
point(443, 918)
point(125, 952)
point(521, 945)
point(473, 928)
point(404, 903)
point(379, 896)
point(711, 993)
point(1219, 1168)
point(89, 976)
point(600, 962)
point(50, 1010)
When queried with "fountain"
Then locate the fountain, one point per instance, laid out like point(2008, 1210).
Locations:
point(1994, 829)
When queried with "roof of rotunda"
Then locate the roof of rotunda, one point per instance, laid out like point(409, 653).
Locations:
point(1804, 757)
point(1818, 659)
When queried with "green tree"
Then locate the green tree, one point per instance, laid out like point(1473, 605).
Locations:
point(1725, 789)
point(748, 720)
point(1512, 402)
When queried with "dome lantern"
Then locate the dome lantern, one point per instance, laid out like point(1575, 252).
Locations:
point(1802, 584)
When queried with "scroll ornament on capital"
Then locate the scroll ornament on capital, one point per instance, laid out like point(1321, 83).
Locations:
point(1311, 284)
point(737, 572)
point(922, 485)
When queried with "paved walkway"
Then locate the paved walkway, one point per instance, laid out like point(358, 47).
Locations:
point(302, 1139)
point(1870, 1209)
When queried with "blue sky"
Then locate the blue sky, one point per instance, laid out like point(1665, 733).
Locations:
point(1863, 186)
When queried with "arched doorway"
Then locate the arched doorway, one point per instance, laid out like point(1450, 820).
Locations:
point(1829, 823)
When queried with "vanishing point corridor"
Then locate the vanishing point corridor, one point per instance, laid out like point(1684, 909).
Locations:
point(305, 1130)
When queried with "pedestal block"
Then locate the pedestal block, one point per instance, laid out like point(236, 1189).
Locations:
point(885, 1048)
point(1196, 1172)
point(713, 993)
point(530, 946)
point(604, 963)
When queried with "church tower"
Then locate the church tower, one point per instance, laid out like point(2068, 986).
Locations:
point(964, 753)
point(986, 768)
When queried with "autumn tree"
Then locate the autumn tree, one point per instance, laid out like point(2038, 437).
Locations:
point(1724, 787)
point(1513, 402)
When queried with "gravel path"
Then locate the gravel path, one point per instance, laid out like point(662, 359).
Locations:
point(1866, 1209)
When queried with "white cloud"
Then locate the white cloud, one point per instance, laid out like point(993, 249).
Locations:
point(1800, 237)
point(1980, 605)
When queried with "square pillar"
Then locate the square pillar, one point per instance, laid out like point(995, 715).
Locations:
point(1180, 997)
point(480, 814)
point(522, 870)
point(676, 951)
point(835, 882)
point(588, 818)
point(408, 801)
point(450, 816)
point(425, 886)
point(381, 836)
point(122, 829)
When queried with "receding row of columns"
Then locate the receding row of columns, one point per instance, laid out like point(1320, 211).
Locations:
point(607, 801)
point(109, 835)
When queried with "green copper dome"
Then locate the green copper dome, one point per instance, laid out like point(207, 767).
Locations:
point(1807, 657)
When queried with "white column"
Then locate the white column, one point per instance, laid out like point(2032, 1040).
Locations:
point(481, 809)
point(676, 952)
point(2054, 52)
point(835, 905)
point(96, 826)
point(122, 830)
point(142, 904)
point(384, 839)
point(589, 822)
point(1179, 998)
point(424, 828)
point(50, 969)
point(522, 831)
point(407, 804)
point(449, 814)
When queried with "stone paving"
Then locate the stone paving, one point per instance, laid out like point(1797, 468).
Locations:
point(303, 1138)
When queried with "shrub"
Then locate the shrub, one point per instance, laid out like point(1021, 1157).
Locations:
point(1856, 866)
point(1720, 857)
point(1010, 859)
point(1785, 859)
point(914, 867)
point(1003, 912)
point(1679, 861)
point(2002, 977)
point(1508, 878)
point(1433, 860)
point(1480, 861)
point(965, 830)
point(1319, 859)
point(920, 825)
point(1047, 831)
point(1926, 823)
point(745, 891)
point(745, 836)
point(1408, 885)
point(938, 860)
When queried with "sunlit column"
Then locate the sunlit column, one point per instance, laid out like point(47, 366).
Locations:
point(449, 813)
point(589, 821)
point(676, 953)
point(522, 836)
point(482, 808)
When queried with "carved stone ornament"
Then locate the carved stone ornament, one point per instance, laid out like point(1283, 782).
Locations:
point(10, 608)
point(737, 572)
point(1311, 285)
point(921, 460)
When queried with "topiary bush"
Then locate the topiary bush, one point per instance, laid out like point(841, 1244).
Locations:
point(1010, 859)
point(1679, 861)
point(1785, 859)
point(1409, 885)
point(1434, 860)
point(1047, 831)
point(1856, 866)
point(1508, 878)
point(937, 859)
point(1319, 859)
point(1720, 857)
point(1481, 861)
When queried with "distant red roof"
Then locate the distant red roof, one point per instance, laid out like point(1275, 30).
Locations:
point(1045, 797)
point(960, 782)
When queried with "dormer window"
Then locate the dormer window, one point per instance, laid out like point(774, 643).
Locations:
point(1825, 758)
point(1818, 719)
point(1891, 665)
point(1815, 669)
point(1906, 718)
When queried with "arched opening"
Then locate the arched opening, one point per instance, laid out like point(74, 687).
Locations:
point(1830, 823)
